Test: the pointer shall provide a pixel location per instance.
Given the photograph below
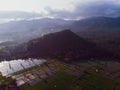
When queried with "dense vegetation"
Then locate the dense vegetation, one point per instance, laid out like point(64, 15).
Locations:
point(64, 45)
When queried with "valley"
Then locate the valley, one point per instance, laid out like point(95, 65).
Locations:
point(56, 75)
point(74, 60)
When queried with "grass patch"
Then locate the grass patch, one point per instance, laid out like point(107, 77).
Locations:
point(62, 67)
point(5, 81)
point(1, 48)
point(117, 83)
point(94, 81)
point(59, 81)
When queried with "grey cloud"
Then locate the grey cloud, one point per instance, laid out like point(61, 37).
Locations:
point(18, 15)
point(92, 9)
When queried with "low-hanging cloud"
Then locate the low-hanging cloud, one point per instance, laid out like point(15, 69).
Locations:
point(18, 15)
point(6, 16)
point(81, 9)
point(108, 8)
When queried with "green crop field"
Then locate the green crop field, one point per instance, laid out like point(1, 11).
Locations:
point(59, 81)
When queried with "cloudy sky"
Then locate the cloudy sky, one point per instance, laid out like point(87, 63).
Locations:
point(66, 9)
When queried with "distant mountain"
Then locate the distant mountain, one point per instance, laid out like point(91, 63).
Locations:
point(95, 28)
point(104, 31)
point(29, 29)
point(98, 28)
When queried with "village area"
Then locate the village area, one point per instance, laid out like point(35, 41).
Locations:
point(30, 77)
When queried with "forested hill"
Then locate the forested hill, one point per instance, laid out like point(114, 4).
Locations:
point(64, 45)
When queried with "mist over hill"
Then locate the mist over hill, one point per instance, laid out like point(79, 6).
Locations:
point(98, 28)
point(29, 29)
point(93, 28)
point(63, 45)
point(104, 31)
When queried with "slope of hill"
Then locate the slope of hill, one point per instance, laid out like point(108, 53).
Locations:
point(104, 31)
point(29, 29)
point(95, 28)
point(99, 28)
point(65, 45)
